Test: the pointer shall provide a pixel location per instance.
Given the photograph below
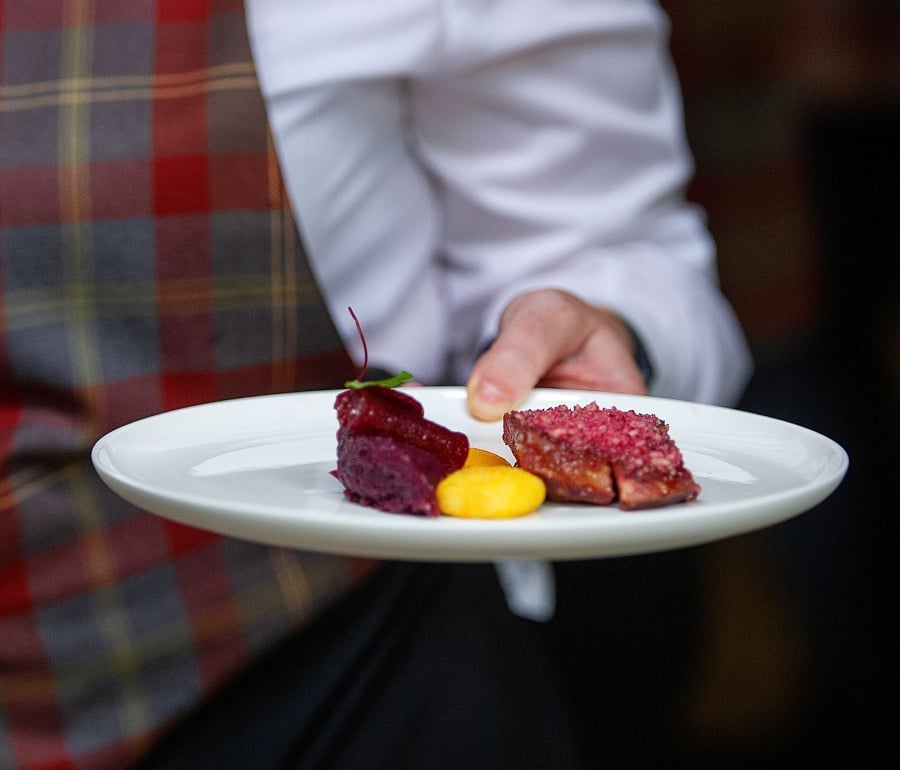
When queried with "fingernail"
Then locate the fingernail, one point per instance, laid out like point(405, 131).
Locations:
point(492, 393)
point(489, 401)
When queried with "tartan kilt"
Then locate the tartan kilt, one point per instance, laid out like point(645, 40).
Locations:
point(149, 260)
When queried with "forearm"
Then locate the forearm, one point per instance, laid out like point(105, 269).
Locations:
point(564, 166)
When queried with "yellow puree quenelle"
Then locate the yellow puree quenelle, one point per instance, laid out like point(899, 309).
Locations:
point(489, 487)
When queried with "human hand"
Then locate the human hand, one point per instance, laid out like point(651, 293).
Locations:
point(553, 339)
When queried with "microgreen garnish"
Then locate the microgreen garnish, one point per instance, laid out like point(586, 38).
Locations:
point(389, 382)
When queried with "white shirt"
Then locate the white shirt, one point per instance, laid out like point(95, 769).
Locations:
point(446, 155)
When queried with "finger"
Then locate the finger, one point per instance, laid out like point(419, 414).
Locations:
point(614, 376)
point(537, 331)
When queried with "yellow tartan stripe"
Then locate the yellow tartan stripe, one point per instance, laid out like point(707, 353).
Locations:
point(43, 306)
point(82, 90)
point(74, 199)
point(296, 591)
point(108, 614)
point(19, 486)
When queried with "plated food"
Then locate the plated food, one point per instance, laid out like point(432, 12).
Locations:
point(260, 469)
point(391, 457)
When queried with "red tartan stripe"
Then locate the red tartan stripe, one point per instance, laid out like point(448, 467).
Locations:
point(24, 683)
point(133, 398)
point(241, 181)
point(188, 355)
point(318, 371)
point(180, 125)
point(321, 371)
point(60, 574)
point(15, 595)
point(42, 750)
point(187, 389)
point(180, 184)
point(41, 15)
point(10, 400)
point(28, 196)
point(119, 189)
point(10, 416)
point(185, 242)
point(130, 400)
point(216, 623)
point(181, 47)
point(183, 539)
point(168, 11)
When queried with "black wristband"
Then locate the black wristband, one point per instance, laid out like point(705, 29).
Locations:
point(641, 358)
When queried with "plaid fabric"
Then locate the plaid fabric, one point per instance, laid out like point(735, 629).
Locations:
point(148, 260)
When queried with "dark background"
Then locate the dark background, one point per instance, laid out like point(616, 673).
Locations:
point(793, 114)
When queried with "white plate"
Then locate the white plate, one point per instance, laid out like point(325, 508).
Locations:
point(259, 469)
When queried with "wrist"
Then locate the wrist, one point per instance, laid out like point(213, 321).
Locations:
point(641, 356)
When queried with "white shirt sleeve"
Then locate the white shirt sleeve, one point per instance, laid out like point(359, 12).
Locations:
point(446, 155)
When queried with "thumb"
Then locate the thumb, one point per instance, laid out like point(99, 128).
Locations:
point(535, 333)
point(501, 379)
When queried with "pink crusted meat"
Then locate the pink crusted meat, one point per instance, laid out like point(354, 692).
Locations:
point(598, 455)
point(389, 455)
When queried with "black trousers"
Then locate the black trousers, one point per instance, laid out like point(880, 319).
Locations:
point(424, 667)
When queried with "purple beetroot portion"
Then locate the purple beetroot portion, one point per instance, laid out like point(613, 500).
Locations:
point(348, 402)
point(376, 410)
point(386, 473)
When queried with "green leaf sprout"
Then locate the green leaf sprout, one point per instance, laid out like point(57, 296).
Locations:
point(389, 382)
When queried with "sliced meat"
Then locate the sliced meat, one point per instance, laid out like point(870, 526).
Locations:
point(598, 455)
